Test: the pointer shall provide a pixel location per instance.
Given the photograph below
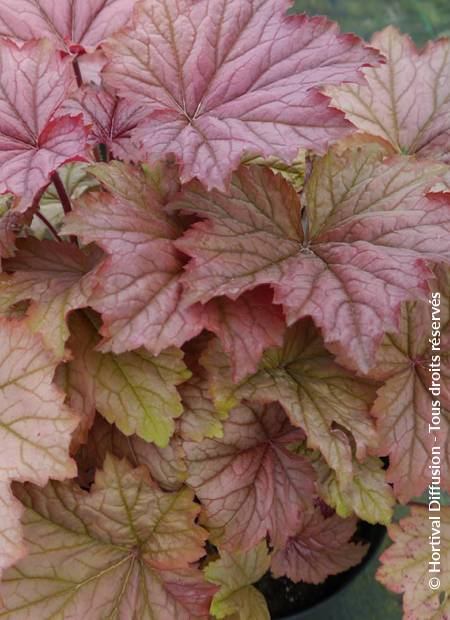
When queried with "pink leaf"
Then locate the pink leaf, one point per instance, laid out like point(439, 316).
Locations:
point(249, 484)
point(222, 78)
point(246, 327)
point(370, 230)
point(77, 23)
point(404, 406)
point(140, 290)
point(405, 564)
point(57, 278)
point(34, 82)
point(405, 101)
point(35, 427)
point(12, 547)
point(328, 402)
point(319, 548)
point(76, 380)
point(166, 465)
point(112, 119)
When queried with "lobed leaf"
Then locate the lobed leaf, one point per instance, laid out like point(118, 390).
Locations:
point(140, 293)
point(221, 79)
point(328, 402)
point(71, 25)
point(321, 547)
point(370, 229)
point(248, 483)
point(166, 465)
point(235, 573)
point(122, 550)
point(405, 565)
point(57, 278)
point(34, 82)
point(112, 119)
point(200, 418)
point(405, 101)
point(367, 495)
point(135, 390)
point(245, 328)
point(35, 426)
point(404, 404)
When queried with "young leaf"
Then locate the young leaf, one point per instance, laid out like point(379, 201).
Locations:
point(367, 494)
point(405, 101)
point(328, 402)
point(35, 426)
point(319, 548)
point(405, 564)
point(294, 173)
point(140, 293)
point(224, 78)
point(135, 184)
point(248, 483)
point(112, 119)
point(33, 142)
point(123, 550)
point(405, 404)
point(235, 573)
point(200, 418)
point(76, 181)
point(71, 25)
point(57, 277)
point(370, 229)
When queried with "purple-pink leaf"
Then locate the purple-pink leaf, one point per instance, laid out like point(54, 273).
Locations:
point(221, 78)
point(69, 23)
point(405, 407)
point(370, 229)
point(405, 101)
point(327, 401)
point(57, 278)
point(248, 482)
point(112, 119)
point(246, 327)
point(318, 549)
point(34, 82)
point(140, 291)
point(166, 465)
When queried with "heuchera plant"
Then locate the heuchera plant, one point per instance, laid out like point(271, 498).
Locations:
point(219, 229)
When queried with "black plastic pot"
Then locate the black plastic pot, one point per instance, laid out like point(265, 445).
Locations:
point(290, 601)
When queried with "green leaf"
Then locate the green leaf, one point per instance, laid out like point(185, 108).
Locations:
point(124, 550)
point(235, 573)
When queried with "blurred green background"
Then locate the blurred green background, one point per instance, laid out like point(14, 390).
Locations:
point(422, 19)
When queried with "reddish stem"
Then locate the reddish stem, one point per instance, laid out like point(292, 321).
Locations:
point(61, 190)
point(77, 71)
point(49, 225)
point(64, 198)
